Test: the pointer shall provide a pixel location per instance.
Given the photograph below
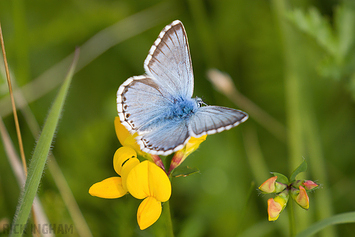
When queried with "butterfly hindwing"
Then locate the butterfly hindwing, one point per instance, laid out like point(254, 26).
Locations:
point(169, 61)
point(214, 119)
point(169, 137)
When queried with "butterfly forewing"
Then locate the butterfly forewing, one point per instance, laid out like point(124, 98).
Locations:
point(169, 62)
point(140, 103)
point(213, 119)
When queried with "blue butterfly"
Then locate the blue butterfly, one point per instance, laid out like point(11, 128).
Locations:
point(158, 106)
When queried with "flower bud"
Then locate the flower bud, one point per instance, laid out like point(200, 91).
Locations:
point(300, 196)
point(269, 185)
point(276, 205)
point(309, 184)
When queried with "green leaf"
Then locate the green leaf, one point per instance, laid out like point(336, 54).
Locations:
point(185, 171)
point(280, 177)
point(40, 155)
point(315, 25)
point(344, 25)
point(337, 41)
point(301, 168)
point(343, 218)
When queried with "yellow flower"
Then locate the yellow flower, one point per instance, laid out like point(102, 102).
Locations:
point(142, 180)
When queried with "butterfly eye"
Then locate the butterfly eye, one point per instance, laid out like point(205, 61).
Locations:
point(200, 102)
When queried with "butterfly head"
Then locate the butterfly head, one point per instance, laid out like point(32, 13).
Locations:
point(199, 102)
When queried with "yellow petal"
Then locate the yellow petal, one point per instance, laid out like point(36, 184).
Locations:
point(182, 154)
point(121, 132)
point(126, 169)
point(108, 188)
point(147, 179)
point(124, 136)
point(121, 156)
point(194, 143)
point(148, 212)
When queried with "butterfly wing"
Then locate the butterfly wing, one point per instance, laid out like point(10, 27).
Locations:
point(215, 119)
point(169, 62)
point(142, 109)
point(140, 104)
point(169, 137)
point(144, 103)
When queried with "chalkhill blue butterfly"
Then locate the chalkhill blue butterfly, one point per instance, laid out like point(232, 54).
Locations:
point(159, 106)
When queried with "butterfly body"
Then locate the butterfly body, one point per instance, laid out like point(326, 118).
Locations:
point(183, 108)
point(159, 106)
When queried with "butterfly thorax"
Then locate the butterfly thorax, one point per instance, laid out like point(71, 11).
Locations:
point(183, 108)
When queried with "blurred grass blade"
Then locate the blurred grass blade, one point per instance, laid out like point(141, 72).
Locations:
point(343, 218)
point(17, 169)
point(40, 154)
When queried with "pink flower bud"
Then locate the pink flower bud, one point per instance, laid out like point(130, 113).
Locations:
point(309, 184)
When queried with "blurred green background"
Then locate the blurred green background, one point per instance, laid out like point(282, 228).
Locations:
point(293, 59)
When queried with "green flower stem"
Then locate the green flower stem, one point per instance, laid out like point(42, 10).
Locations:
point(303, 138)
point(168, 221)
point(291, 218)
point(245, 209)
point(296, 69)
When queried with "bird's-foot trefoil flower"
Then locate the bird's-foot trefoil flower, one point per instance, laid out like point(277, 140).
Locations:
point(284, 188)
point(145, 180)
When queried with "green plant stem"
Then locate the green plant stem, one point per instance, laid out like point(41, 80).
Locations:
point(303, 136)
point(296, 70)
point(291, 218)
point(168, 221)
point(245, 208)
